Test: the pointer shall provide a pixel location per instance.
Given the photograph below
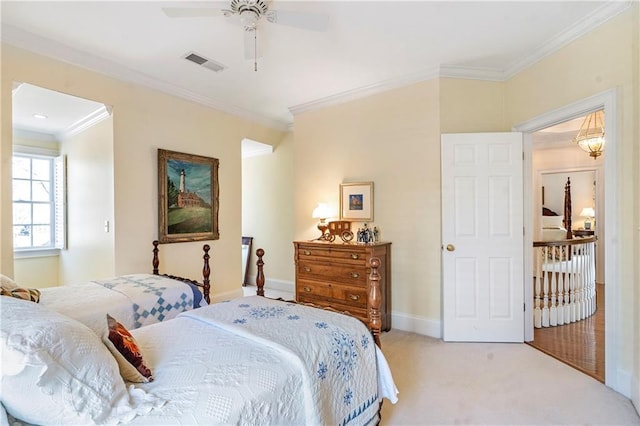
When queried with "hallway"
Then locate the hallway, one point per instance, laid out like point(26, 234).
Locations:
point(581, 344)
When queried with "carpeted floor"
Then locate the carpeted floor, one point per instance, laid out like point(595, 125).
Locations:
point(492, 383)
point(489, 384)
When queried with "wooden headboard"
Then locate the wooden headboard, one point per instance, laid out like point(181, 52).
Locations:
point(566, 220)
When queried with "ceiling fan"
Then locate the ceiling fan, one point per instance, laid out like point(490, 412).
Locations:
point(250, 13)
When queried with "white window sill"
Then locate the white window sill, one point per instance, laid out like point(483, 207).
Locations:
point(27, 253)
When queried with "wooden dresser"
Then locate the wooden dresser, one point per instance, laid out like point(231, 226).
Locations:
point(337, 275)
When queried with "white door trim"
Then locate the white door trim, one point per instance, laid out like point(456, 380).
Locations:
point(608, 101)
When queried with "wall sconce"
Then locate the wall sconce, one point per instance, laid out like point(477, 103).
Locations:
point(322, 212)
point(589, 213)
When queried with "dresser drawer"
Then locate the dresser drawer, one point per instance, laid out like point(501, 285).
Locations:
point(351, 256)
point(352, 275)
point(352, 296)
point(313, 289)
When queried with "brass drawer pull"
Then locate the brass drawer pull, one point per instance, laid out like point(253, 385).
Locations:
point(354, 274)
point(307, 269)
point(354, 297)
point(307, 289)
point(307, 253)
point(355, 256)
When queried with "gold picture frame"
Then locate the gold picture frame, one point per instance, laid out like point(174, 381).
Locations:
point(356, 201)
point(188, 194)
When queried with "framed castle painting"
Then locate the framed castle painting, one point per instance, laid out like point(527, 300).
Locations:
point(187, 197)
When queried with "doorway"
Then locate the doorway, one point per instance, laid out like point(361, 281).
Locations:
point(555, 159)
point(606, 101)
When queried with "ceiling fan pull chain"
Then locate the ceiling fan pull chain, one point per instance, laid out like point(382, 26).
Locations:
point(255, 50)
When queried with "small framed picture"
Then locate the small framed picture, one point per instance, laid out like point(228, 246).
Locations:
point(356, 201)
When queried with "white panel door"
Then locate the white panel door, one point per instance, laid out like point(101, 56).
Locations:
point(482, 236)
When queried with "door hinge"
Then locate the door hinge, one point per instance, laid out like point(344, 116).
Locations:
point(524, 307)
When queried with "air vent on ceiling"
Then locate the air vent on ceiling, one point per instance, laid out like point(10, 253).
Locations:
point(207, 63)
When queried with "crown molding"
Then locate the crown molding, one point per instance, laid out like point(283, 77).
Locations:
point(58, 51)
point(598, 17)
point(471, 73)
point(84, 123)
point(364, 91)
point(46, 47)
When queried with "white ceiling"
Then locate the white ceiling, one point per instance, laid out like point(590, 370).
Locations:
point(368, 46)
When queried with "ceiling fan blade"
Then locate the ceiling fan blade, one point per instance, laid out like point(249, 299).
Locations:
point(252, 45)
point(192, 12)
point(307, 21)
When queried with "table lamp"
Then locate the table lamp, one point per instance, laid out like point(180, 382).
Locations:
point(322, 212)
point(589, 213)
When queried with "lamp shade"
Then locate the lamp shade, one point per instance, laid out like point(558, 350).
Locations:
point(588, 212)
point(322, 211)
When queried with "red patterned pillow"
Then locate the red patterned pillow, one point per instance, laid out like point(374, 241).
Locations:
point(125, 350)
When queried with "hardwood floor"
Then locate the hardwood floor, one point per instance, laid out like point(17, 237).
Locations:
point(581, 344)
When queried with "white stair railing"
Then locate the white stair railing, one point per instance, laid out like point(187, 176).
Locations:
point(564, 288)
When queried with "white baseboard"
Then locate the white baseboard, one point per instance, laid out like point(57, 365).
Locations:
point(624, 384)
point(229, 295)
point(635, 392)
point(279, 285)
point(420, 325)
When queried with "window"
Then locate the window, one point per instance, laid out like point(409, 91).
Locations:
point(38, 201)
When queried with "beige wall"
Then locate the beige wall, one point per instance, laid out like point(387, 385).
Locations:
point(90, 250)
point(392, 139)
point(143, 121)
point(267, 212)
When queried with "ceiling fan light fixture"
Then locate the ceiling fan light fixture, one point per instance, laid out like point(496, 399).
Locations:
point(590, 137)
point(249, 20)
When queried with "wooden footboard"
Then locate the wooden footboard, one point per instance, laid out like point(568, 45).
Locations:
point(206, 271)
point(373, 323)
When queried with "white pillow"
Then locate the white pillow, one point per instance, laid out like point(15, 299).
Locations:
point(7, 283)
point(55, 370)
point(552, 222)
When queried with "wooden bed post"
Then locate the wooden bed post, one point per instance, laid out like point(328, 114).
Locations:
point(567, 209)
point(260, 275)
point(206, 272)
point(156, 261)
point(375, 323)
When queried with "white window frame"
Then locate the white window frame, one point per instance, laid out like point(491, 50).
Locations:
point(58, 211)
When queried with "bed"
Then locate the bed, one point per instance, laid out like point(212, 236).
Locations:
point(251, 360)
point(135, 299)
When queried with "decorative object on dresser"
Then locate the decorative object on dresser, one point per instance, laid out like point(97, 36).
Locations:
point(342, 228)
point(322, 212)
point(356, 201)
point(337, 276)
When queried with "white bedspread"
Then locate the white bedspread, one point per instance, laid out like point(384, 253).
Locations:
point(134, 300)
point(258, 361)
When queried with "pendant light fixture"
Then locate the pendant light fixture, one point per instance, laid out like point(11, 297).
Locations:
point(590, 137)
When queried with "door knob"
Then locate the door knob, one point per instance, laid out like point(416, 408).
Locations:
point(451, 247)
